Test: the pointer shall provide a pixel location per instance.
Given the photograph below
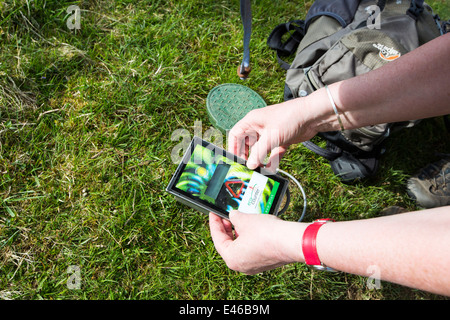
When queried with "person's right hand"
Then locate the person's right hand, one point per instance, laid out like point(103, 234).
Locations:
point(269, 130)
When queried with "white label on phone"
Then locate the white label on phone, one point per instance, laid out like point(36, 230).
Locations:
point(251, 200)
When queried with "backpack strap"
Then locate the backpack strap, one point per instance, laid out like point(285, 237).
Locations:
point(341, 10)
point(445, 27)
point(296, 29)
point(246, 17)
point(328, 154)
point(347, 166)
point(381, 4)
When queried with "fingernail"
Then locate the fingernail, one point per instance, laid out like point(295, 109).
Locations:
point(251, 164)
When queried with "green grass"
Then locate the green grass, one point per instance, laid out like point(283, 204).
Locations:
point(86, 118)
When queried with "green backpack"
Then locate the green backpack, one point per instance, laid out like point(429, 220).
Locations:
point(340, 39)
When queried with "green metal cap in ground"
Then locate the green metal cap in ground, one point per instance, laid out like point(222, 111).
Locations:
point(228, 103)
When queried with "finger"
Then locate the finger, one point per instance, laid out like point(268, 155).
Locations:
point(241, 137)
point(234, 216)
point(228, 228)
point(275, 158)
point(220, 224)
point(259, 152)
point(220, 232)
point(236, 138)
point(232, 142)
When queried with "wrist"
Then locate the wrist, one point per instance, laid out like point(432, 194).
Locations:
point(320, 113)
point(290, 240)
point(309, 245)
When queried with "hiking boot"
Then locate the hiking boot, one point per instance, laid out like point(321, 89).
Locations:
point(430, 188)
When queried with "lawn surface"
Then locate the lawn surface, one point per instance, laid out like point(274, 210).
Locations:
point(86, 119)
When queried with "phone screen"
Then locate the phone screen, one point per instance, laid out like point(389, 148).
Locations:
point(220, 181)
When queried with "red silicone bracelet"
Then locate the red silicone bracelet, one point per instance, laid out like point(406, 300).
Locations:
point(309, 242)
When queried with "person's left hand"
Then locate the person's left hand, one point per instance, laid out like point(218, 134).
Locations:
point(259, 242)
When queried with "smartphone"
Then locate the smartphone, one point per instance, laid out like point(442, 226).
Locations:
point(211, 179)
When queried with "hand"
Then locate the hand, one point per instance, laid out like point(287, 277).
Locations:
point(269, 130)
point(260, 242)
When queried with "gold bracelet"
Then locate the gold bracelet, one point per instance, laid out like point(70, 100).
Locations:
point(334, 108)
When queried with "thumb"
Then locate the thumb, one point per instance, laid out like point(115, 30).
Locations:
point(234, 219)
point(240, 219)
point(233, 215)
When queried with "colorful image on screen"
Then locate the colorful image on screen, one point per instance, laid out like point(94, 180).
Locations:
point(226, 184)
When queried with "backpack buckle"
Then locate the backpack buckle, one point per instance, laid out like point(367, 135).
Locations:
point(415, 9)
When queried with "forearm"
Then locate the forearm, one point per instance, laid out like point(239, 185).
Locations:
point(412, 87)
point(410, 249)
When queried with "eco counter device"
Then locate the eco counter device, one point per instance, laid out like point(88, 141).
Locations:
point(211, 179)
